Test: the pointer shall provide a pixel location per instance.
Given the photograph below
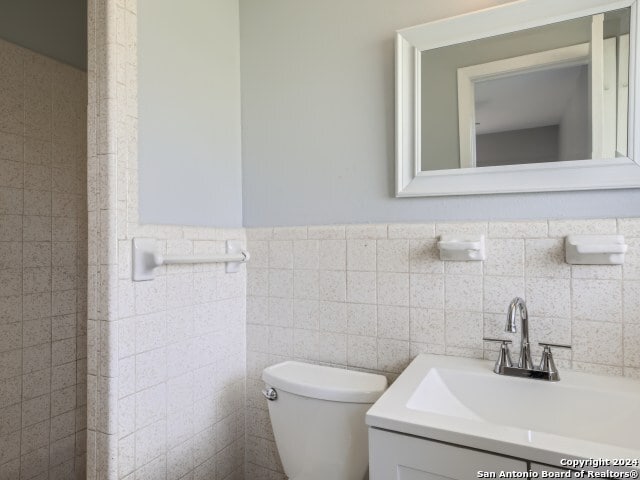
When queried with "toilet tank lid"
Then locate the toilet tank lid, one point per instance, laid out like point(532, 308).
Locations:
point(325, 383)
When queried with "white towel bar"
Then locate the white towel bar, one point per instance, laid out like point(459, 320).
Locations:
point(146, 259)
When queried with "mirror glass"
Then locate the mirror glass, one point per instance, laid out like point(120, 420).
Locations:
point(548, 94)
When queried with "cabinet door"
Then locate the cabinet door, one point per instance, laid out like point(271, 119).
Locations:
point(393, 456)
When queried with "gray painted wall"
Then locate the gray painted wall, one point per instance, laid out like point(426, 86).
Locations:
point(575, 126)
point(318, 121)
point(57, 29)
point(516, 147)
point(189, 108)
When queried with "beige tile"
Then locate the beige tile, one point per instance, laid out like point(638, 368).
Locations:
point(597, 369)
point(411, 230)
point(463, 329)
point(36, 229)
point(11, 201)
point(463, 292)
point(306, 314)
point(513, 230)
point(10, 255)
point(393, 322)
point(362, 319)
point(499, 291)
point(259, 234)
point(393, 255)
point(631, 343)
point(631, 305)
point(427, 291)
point(599, 300)
point(332, 285)
point(629, 226)
point(11, 146)
point(36, 280)
point(548, 297)
point(10, 309)
point(10, 282)
point(462, 228)
point(370, 232)
point(10, 228)
point(504, 257)
point(281, 283)
point(306, 344)
point(37, 202)
point(332, 317)
point(597, 342)
point(280, 312)
point(332, 348)
point(37, 152)
point(12, 109)
point(362, 352)
point(631, 267)
point(11, 174)
point(463, 268)
point(545, 258)
point(10, 338)
point(305, 254)
point(361, 255)
point(333, 254)
point(258, 281)
point(424, 257)
point(327, 232)
point(393, 355)
point(36, 254)
point(289, 233)
point(281, 254)
point(361, 287)
point(393, 289)
point(562, 228)
point(427, 326)
point(603, 272)
point(306, 284)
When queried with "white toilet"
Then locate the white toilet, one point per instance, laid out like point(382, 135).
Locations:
point(318, 419)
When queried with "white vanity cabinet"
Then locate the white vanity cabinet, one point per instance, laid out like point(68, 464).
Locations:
point(394, 456)
point(539, 468)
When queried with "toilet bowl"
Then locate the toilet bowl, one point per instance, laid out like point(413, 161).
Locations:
point(318, 419)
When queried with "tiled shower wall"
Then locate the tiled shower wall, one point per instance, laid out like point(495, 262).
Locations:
point(166, 357)
point(372, 297)
point(43, 238)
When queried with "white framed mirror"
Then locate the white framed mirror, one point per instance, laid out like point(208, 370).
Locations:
point(531, 96)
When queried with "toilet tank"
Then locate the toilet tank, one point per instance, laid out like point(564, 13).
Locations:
point(318, 419)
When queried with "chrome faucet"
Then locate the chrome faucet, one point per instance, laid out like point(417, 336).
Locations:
point(546, 370)
point(518, 305)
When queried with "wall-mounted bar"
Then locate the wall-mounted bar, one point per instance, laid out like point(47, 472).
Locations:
point(146, 259)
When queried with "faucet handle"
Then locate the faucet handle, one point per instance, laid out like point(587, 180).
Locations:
point(504, 358)
point(554, 345)
point(546, 361)
point(497, 340)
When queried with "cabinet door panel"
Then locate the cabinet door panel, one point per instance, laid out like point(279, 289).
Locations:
point(394, 456)
point(539, 468)
point(406, 473)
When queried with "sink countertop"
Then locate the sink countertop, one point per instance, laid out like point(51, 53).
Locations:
point(582, 416)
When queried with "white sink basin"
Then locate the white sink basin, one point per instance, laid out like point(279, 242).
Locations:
point(462, 401)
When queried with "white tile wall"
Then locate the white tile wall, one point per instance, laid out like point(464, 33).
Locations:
point(43, 231)
point(167, 358)
point(372, 297)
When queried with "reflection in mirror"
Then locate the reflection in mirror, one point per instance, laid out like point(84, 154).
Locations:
point(547, 94)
